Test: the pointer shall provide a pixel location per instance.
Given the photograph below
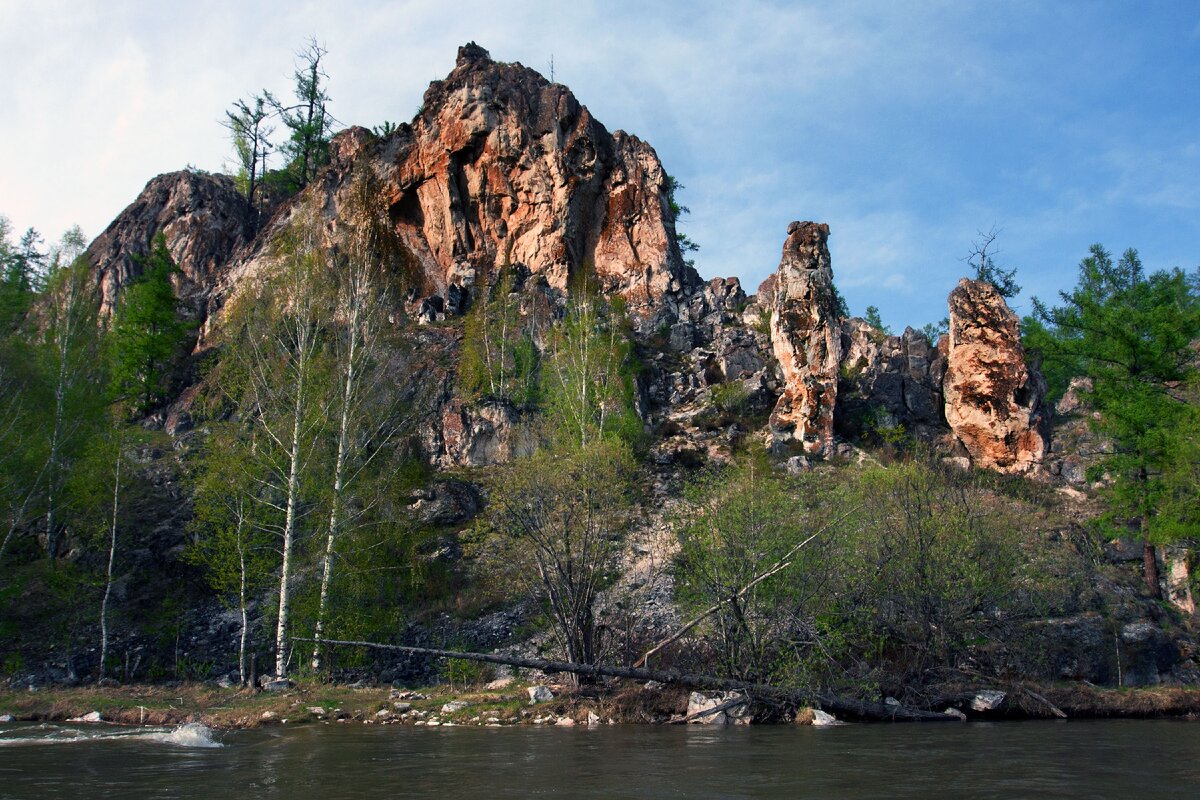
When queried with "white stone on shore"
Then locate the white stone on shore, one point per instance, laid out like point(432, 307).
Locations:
point(823, 719)
point(987, 700)
point(540, 694)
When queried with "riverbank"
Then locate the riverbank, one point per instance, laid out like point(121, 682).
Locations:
point(508, 703)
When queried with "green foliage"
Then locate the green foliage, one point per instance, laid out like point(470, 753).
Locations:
point(317, 457)
point(684, 242)
point(307, 117)
point(841, 307)
point(875, 321)
point(737, 523)
point(278, 185)
point(250, 135)
point(589, 373)
point(466, 674)
point(731, 397)
point(22, 268)
point(763, 323)
point(232, 541)
point(1131, 335)
point(552, 530)
point(384, 129)
point(982, 259)
point(147, 333)
point(499, 360)
point(933, 331)
point(910, 569)
point(882, 427)
point(72, 375)
point(935, 559)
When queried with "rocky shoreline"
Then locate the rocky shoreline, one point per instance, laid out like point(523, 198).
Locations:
point(508, 702)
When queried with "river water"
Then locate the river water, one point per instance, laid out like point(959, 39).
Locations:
point(1076, 759)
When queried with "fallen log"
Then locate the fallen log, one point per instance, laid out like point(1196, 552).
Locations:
point(858, 709)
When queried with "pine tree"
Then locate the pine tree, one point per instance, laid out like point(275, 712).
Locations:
point(308, 117)
point(248, 128)
point(147, 332)
point(22, 268)
point(1132, 335)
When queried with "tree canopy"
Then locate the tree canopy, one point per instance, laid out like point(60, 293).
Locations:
point(1132, 336)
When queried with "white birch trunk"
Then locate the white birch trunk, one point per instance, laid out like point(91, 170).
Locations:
point(339, 468)
point(293, 492)
point(112, 552)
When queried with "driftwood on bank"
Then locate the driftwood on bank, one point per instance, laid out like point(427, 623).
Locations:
point(858, 709)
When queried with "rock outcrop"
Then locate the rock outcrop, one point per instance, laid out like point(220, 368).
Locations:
point(888, 381)
point(806, 338)
point(477, 435)
point(993, 398)
point(502, 167)
point(204, 219)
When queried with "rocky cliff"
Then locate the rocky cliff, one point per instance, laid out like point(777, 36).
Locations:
point(204, 219)
point(805, 337)
point(502, 167)
point(993, 398)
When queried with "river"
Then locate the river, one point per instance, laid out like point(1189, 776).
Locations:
point(1076, 759)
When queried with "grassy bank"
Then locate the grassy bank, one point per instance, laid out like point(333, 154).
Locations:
point(308, 703)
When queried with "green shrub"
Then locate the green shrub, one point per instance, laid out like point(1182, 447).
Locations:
point(465, 673)
point(731, 397)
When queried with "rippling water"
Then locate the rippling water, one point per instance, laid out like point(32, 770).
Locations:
point(1084, 759)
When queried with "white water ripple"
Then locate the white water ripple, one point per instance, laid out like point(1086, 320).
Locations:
point(192, 734)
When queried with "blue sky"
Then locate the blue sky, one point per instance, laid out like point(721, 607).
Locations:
point(908, 127)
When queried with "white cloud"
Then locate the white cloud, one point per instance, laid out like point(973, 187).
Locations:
point(862, 114)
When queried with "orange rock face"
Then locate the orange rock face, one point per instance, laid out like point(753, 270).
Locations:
point(503, 167)
point(993, 399)
point(806, 339)
point(204, 219)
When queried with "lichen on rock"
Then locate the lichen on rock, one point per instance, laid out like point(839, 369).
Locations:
point(806, 339)
point(993, 397)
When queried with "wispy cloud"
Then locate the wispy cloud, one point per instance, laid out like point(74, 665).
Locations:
point(906, 127)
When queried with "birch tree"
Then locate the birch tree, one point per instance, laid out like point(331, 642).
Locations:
point(589, 372)
point(232, 544)
point(118, 458)
point(555, 518)
point(275, 331)
point(499, 358)
point(367, 415)
point(70, 351)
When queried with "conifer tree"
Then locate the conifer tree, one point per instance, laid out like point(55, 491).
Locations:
point(1132, 335)
point(308, 117)
point(251, 135)
point(147, 331)
point(22, 268)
